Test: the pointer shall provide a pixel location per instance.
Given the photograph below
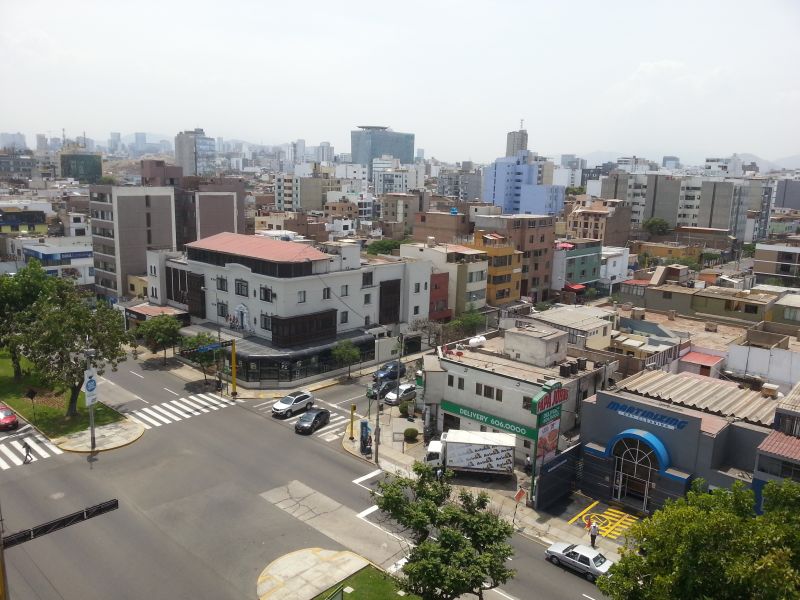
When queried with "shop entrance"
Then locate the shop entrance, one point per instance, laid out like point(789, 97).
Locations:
point(635, 469)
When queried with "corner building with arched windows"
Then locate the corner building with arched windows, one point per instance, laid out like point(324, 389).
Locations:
point(645, 440)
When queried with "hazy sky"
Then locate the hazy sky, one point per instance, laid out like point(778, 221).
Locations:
point(694, 78)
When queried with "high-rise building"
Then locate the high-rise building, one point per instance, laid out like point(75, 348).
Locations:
point(516, 141)
point(374, 141)
point(84, 166)
point(41, 143)
point(299, 151)
point(114, 142)
point(420, 154)
point(517, 184)
point(325, 152)
point(671, 162)
point(13, 141)
point(788, 194)
point(195, 152)
point(126, 223)
point(140, 142)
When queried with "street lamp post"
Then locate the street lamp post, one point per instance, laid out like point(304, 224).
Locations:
point(91, 382)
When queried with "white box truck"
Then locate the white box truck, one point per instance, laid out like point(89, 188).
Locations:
point(479, 452)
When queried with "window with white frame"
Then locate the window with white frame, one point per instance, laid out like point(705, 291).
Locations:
point(301, 296)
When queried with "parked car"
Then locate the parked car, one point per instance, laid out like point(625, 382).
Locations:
point(583, 559)
point(292, 403)
point(379, 389)
point(389, 371)
point(406, 391)
point(312, 420)
point(8, 418)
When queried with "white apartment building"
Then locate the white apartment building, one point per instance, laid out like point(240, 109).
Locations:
point(566, 176)
point(724, 167)
point(467, 269)
point(613, 267)
point(358, 173)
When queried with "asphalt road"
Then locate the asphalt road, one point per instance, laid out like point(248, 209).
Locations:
point(192, 521)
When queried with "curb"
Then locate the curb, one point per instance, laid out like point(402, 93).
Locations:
point(97, 451)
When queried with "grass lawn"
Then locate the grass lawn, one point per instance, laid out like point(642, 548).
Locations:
point(49, 405)
point(368, 584)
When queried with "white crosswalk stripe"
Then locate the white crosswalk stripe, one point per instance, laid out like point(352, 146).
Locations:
point(204, 402)
point(197, 406)
point(167, 410)
point(12, 452)
point(154, 414)
point(139, 422)
point(140, 415)
point(171, 411)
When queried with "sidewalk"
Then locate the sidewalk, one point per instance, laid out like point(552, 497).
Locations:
point(304, 574)
point(397, 459)
point(107, 437)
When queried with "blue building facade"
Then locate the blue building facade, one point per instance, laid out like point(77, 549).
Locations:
point(514, 184)
point(373, 142)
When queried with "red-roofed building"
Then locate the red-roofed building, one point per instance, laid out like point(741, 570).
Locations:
point(701, 364)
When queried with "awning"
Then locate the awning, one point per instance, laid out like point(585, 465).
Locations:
point(574, 287)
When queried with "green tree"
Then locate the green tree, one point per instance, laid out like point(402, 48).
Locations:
point(708, 257)
point(748, 250)
point(656, 226)
point(470, 551)
point(470, 321)
point(64, 328)
point(591, 293)
point(346, 353)
point(17, 294)
point(575, 191)
point(713, 545)
point(204, 358)
point(383, 247)
point(108, 180)
point(160, 333)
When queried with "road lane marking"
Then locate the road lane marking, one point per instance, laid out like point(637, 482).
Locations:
point(503, 594)
point(154, 414)
point(185, 407)
point(4, 465)
point(140, 414)
point(138, 375)
point(375, 473)
point(215, 400)
point(170, 410)
point(367, 511)
point(106, 380)
point(196, 405)
point(142, 399)
point(135, 420)
point(332, 425)
point(204, 402)
point(223, 399)
point(264, 403)
point(350, 399)
point(168, 413)
point(585, 596)
point(13, 457)
point(171, 392)
point(583, 512)
point(52, 447)
point(35, 447)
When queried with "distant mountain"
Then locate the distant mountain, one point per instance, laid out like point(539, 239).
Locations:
point(764, 165)
point(789, 162)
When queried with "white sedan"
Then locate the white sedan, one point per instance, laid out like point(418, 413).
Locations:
point(406, 391)
point(583, 559)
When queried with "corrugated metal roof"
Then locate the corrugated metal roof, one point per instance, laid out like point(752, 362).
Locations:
point(705, 394)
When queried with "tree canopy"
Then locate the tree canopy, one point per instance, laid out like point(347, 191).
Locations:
point(346, 353)
point(204, 358)
point(160, 333)
point(470, 550)
point(64, 328)
point(383, 246)
point(713, 545)
point(656, 226)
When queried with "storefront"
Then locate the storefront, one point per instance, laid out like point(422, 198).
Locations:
point(640, 449)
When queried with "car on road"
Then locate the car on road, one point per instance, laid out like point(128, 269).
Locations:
point(389, 371)
point(406, 391)
point(312, 420)
point(380, 388)
point(293, 403)
point(8, 418)
point(583, 559)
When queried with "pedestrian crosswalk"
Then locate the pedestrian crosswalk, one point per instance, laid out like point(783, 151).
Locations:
point(172, 411)
point(12, 450)
point(329, 433)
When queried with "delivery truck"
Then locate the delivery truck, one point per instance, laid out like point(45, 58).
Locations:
point(480, 452)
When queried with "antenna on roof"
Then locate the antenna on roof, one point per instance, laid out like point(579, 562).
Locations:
point(522, 124)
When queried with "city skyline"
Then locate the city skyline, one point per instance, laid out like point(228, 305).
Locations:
point(596, 80)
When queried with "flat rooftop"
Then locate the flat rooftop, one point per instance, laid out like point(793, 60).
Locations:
point(490, 357)
point(695, 328)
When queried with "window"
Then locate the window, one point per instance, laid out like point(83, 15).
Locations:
point(527, 403)
point(450, 380)
point(241, 287)
point(426, 285)
point(479, 389)
point(266, 322)
point(222, 284)
point(416, 288)
point(498, 395)
point(344, 290)
point(751, 309)
point(488, 391)
point(343, 317)
point(367, 298)
point(326, 293)
point(367, 321)
point(222, 309)
point(154, 292)
point(416, 310)
point(147, 219)
point(265, 294)
point(301, 296)
point(147, 201)
point(132, 287)
point(149, 237)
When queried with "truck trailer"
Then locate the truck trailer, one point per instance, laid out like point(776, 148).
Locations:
point(480, 452)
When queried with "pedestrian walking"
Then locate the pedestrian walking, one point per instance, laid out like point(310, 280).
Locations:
point(439, 474)
point(28, 455)
point(528, 465)
point(593, 531)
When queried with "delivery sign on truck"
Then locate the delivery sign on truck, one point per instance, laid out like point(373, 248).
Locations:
point(480, 452)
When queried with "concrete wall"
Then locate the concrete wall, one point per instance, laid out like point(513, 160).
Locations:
point(540, 352)
point(775, 365)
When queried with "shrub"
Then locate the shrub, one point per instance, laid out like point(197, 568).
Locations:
point(411, 434)
point(404, 409)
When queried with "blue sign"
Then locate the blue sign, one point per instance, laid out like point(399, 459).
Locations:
point(208, 347)
point(91, 385)
point(647, 416)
